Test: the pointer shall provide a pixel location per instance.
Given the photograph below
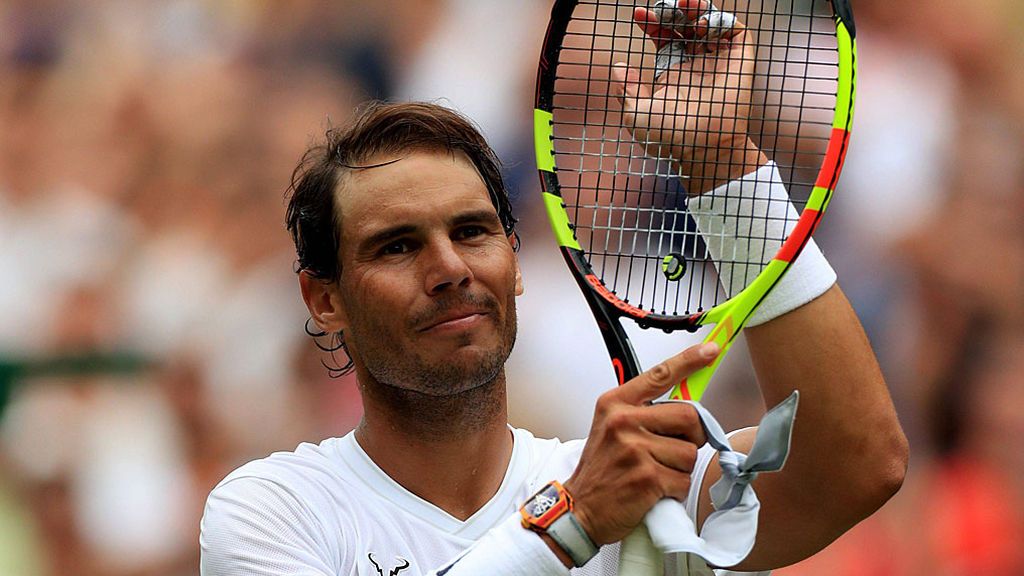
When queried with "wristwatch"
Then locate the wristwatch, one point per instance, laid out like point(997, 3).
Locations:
point(549, 511)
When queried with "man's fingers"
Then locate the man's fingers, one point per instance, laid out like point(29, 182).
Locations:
point(682, 12)
point(674, 419)
point(718, 24)
point(719, 27)
point(656, 381)
point(674, 483)
point(626, 86)
point(626, 83)
point(675, 454)
point(686, 27)
point(658, 31)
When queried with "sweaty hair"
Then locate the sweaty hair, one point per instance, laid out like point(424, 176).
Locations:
point(377, 128)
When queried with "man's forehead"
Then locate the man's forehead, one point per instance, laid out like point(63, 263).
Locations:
point(412, 183)
point(404, 170)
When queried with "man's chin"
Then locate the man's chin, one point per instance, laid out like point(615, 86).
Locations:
point(458, 371)
point(460, 350)
point(440, 367)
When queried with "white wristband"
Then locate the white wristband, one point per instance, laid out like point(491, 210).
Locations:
point(507, 550)
point(743, 224)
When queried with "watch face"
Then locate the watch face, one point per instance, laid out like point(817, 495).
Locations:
point(544, 502)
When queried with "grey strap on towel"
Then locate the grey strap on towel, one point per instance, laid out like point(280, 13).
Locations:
point(728, 534)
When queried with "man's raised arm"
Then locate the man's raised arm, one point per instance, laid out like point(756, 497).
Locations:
point(849, 454)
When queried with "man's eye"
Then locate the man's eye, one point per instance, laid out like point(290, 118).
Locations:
point(469, 232)
point(396, 247)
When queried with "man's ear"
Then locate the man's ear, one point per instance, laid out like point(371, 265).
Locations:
point(323, 302)
point(515, 261)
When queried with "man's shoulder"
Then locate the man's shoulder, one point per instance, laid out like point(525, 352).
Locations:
point(283, 510)
point(308, 472)
point(304, 459)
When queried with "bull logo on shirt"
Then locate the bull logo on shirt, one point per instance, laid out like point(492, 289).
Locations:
point(402, 565)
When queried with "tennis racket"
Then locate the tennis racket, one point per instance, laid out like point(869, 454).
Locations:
point(625, 201)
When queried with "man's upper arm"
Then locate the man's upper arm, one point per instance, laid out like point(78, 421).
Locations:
point(254, 526)
point(848, 453)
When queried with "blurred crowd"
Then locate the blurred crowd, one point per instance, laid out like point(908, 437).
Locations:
point(151, 330)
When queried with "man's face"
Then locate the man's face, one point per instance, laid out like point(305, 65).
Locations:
point(428, 277)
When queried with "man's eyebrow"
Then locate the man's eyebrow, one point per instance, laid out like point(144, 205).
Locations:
point(475, 216)
point(383, 236)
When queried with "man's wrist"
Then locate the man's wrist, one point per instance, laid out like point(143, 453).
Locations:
point(712, 166)
point(744, 224)
point(563, 556)
point(550, 514)
point(579, 509)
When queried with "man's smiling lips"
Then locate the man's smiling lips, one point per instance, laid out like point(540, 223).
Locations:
point(456, 320)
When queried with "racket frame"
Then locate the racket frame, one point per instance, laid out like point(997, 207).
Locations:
point(730, 316)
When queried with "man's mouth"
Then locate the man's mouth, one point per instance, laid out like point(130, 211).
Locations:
point(456, 320)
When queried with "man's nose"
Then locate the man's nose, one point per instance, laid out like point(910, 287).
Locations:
point(446, 267)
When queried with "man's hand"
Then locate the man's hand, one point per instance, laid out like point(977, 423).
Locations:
point(638, 453)
point(697, 112)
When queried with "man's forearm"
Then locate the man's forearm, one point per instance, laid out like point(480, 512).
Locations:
point(849, 453)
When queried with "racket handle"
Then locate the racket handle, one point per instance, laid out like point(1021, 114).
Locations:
point(639, 557)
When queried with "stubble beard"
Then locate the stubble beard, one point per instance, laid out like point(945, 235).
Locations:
point(435, 398)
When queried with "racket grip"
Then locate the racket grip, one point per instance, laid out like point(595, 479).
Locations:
point(638, 556)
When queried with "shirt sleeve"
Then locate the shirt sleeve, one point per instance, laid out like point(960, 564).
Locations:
point(255, 527)
point(506, 550)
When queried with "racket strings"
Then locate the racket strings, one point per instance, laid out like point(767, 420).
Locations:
point(627, 204)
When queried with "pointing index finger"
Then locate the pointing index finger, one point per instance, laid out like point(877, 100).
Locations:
point(656, 381)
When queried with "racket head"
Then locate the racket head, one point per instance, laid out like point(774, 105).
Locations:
point(619, 212)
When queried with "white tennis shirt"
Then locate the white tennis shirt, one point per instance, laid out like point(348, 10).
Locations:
point(328, 510)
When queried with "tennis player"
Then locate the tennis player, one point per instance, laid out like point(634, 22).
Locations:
point(406, 248)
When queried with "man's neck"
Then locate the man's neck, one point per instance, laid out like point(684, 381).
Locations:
point(452, 452)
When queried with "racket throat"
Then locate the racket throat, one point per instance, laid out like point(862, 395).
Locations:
point(620, 349)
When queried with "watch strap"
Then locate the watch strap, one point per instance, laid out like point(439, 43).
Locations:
point(550, 511)
point(572, 538)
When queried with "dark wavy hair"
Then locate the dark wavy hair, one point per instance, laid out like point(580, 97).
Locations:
point(377, 128)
